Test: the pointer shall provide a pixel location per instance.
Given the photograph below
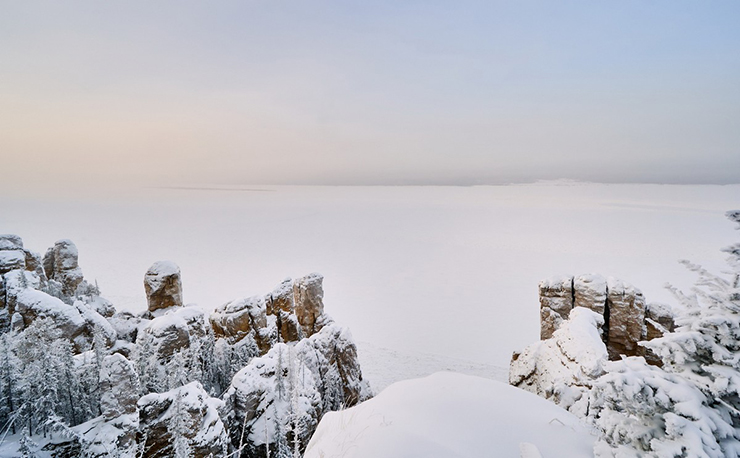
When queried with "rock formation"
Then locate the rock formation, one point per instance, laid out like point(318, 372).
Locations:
point(174, 380)
point(61, 265)
point(623, 307)
point(585, 321)
point(163, 286)
point(12, 255)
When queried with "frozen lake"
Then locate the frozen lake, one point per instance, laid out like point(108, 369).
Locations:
point(425, 277)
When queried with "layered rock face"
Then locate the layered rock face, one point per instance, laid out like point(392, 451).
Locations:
point(163, 286)
point(621, 305)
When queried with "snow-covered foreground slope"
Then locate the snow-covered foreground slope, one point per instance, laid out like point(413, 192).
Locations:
point(447, 271)
point(451, 415)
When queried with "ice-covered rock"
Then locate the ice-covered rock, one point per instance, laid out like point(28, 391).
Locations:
point(186, 418)
point(163, 286)
point(119, 385)
point(563, 367)
point(61, 265)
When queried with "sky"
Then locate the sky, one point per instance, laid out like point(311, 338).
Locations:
point(350, 92)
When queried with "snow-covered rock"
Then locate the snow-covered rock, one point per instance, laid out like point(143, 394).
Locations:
point(451, 415)
point(171, 332)
point(163, 286)
point(12, 255)
point(627, 319)
point(185, 417)
point(102, 438)
point(78, 322)
point(268, 398)
point(331, 355)
point(563, 367)
point(119, 385)
point(61, 265)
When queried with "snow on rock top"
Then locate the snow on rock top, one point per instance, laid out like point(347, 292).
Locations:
point(163, 268)
point(451, 415)
point(10, 242)
point(163, 286)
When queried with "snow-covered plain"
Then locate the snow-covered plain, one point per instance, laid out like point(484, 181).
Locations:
point(426, 278)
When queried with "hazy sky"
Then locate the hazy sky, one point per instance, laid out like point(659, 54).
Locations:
point(357, 92)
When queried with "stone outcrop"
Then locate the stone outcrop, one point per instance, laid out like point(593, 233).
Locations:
point(163, 286)
point(244, 319)
point(626, 320)
point(185, 417)
point(61, 265)
point(119, 385)
point(293, 311)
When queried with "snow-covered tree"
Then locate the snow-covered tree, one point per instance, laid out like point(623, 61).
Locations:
point(178, 429)
point(9, 373)
point(690, 406)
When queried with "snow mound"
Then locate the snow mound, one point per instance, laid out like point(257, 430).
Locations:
point(451, 415)
point(563, 367)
